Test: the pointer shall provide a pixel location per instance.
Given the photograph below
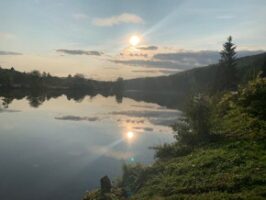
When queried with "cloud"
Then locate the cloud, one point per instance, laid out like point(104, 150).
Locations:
point(145, 106)
point(156, 117)
point(125, 18)
point(182, 60)
point(132, 121)
point(5, 53)
point(193, 59)
point(147, 129)
point(198, 58)
point(133, 54)
point(108, 152)
point(147, 113)
point(77, 118)
point(152, 63)
point(148, 48)
point(80, 52)
point(163, 71)
point(138, 55)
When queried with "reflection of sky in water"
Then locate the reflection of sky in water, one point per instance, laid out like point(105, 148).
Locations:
point(62, 148)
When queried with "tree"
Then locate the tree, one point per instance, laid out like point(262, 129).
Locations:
point(35, 79)
point(44, 75)
point(79, 76)
point(36, 73)
point(226, 73)
point(195, 127)
point(7, 101)
point(119, 85)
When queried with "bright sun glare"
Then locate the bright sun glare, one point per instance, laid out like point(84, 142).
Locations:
point(134, 40)
point(130, 134)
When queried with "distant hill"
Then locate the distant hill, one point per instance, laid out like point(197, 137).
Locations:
point(197, 79)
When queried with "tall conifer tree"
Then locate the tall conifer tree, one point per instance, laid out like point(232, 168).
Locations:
point(226, 78)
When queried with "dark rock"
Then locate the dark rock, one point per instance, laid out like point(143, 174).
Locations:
point(106, 184)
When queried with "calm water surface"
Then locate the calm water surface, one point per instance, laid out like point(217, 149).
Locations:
point(61, 148)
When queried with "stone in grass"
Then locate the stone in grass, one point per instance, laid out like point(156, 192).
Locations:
point(106, 185)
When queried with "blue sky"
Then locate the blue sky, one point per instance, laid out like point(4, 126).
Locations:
point(91, 36)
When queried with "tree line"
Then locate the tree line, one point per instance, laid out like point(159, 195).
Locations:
point(12, 79)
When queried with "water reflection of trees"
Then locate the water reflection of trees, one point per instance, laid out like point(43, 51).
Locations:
point(36, 101)
point(38, 97)
point(6, 101)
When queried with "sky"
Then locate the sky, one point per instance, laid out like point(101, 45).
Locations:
point(92, 36)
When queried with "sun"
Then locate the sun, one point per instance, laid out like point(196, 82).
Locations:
point(134, 40)
point(130, 134)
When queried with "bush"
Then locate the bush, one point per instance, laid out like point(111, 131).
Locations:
point(242, 115)
point(195, 127)
point(167, 151)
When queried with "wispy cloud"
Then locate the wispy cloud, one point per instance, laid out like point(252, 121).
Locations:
point(146, 63)
point(125, 18)
point(197, 58)
point(139, 128)
point(162, 71)
point(182, 60)
point(148, 48)
point(80, 52)
point(156, 117)
point(138, 55)
point(5, 53)
point(186, 58)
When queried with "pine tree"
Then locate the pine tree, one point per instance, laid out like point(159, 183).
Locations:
point(228, 62)
point(226, 74)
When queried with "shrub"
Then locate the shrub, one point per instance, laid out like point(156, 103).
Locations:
point(243, 114)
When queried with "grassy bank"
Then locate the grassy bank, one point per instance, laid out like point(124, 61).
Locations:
point(219, 153)
point(231, 170)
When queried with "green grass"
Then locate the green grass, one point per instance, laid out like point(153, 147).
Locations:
point(234, 170)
